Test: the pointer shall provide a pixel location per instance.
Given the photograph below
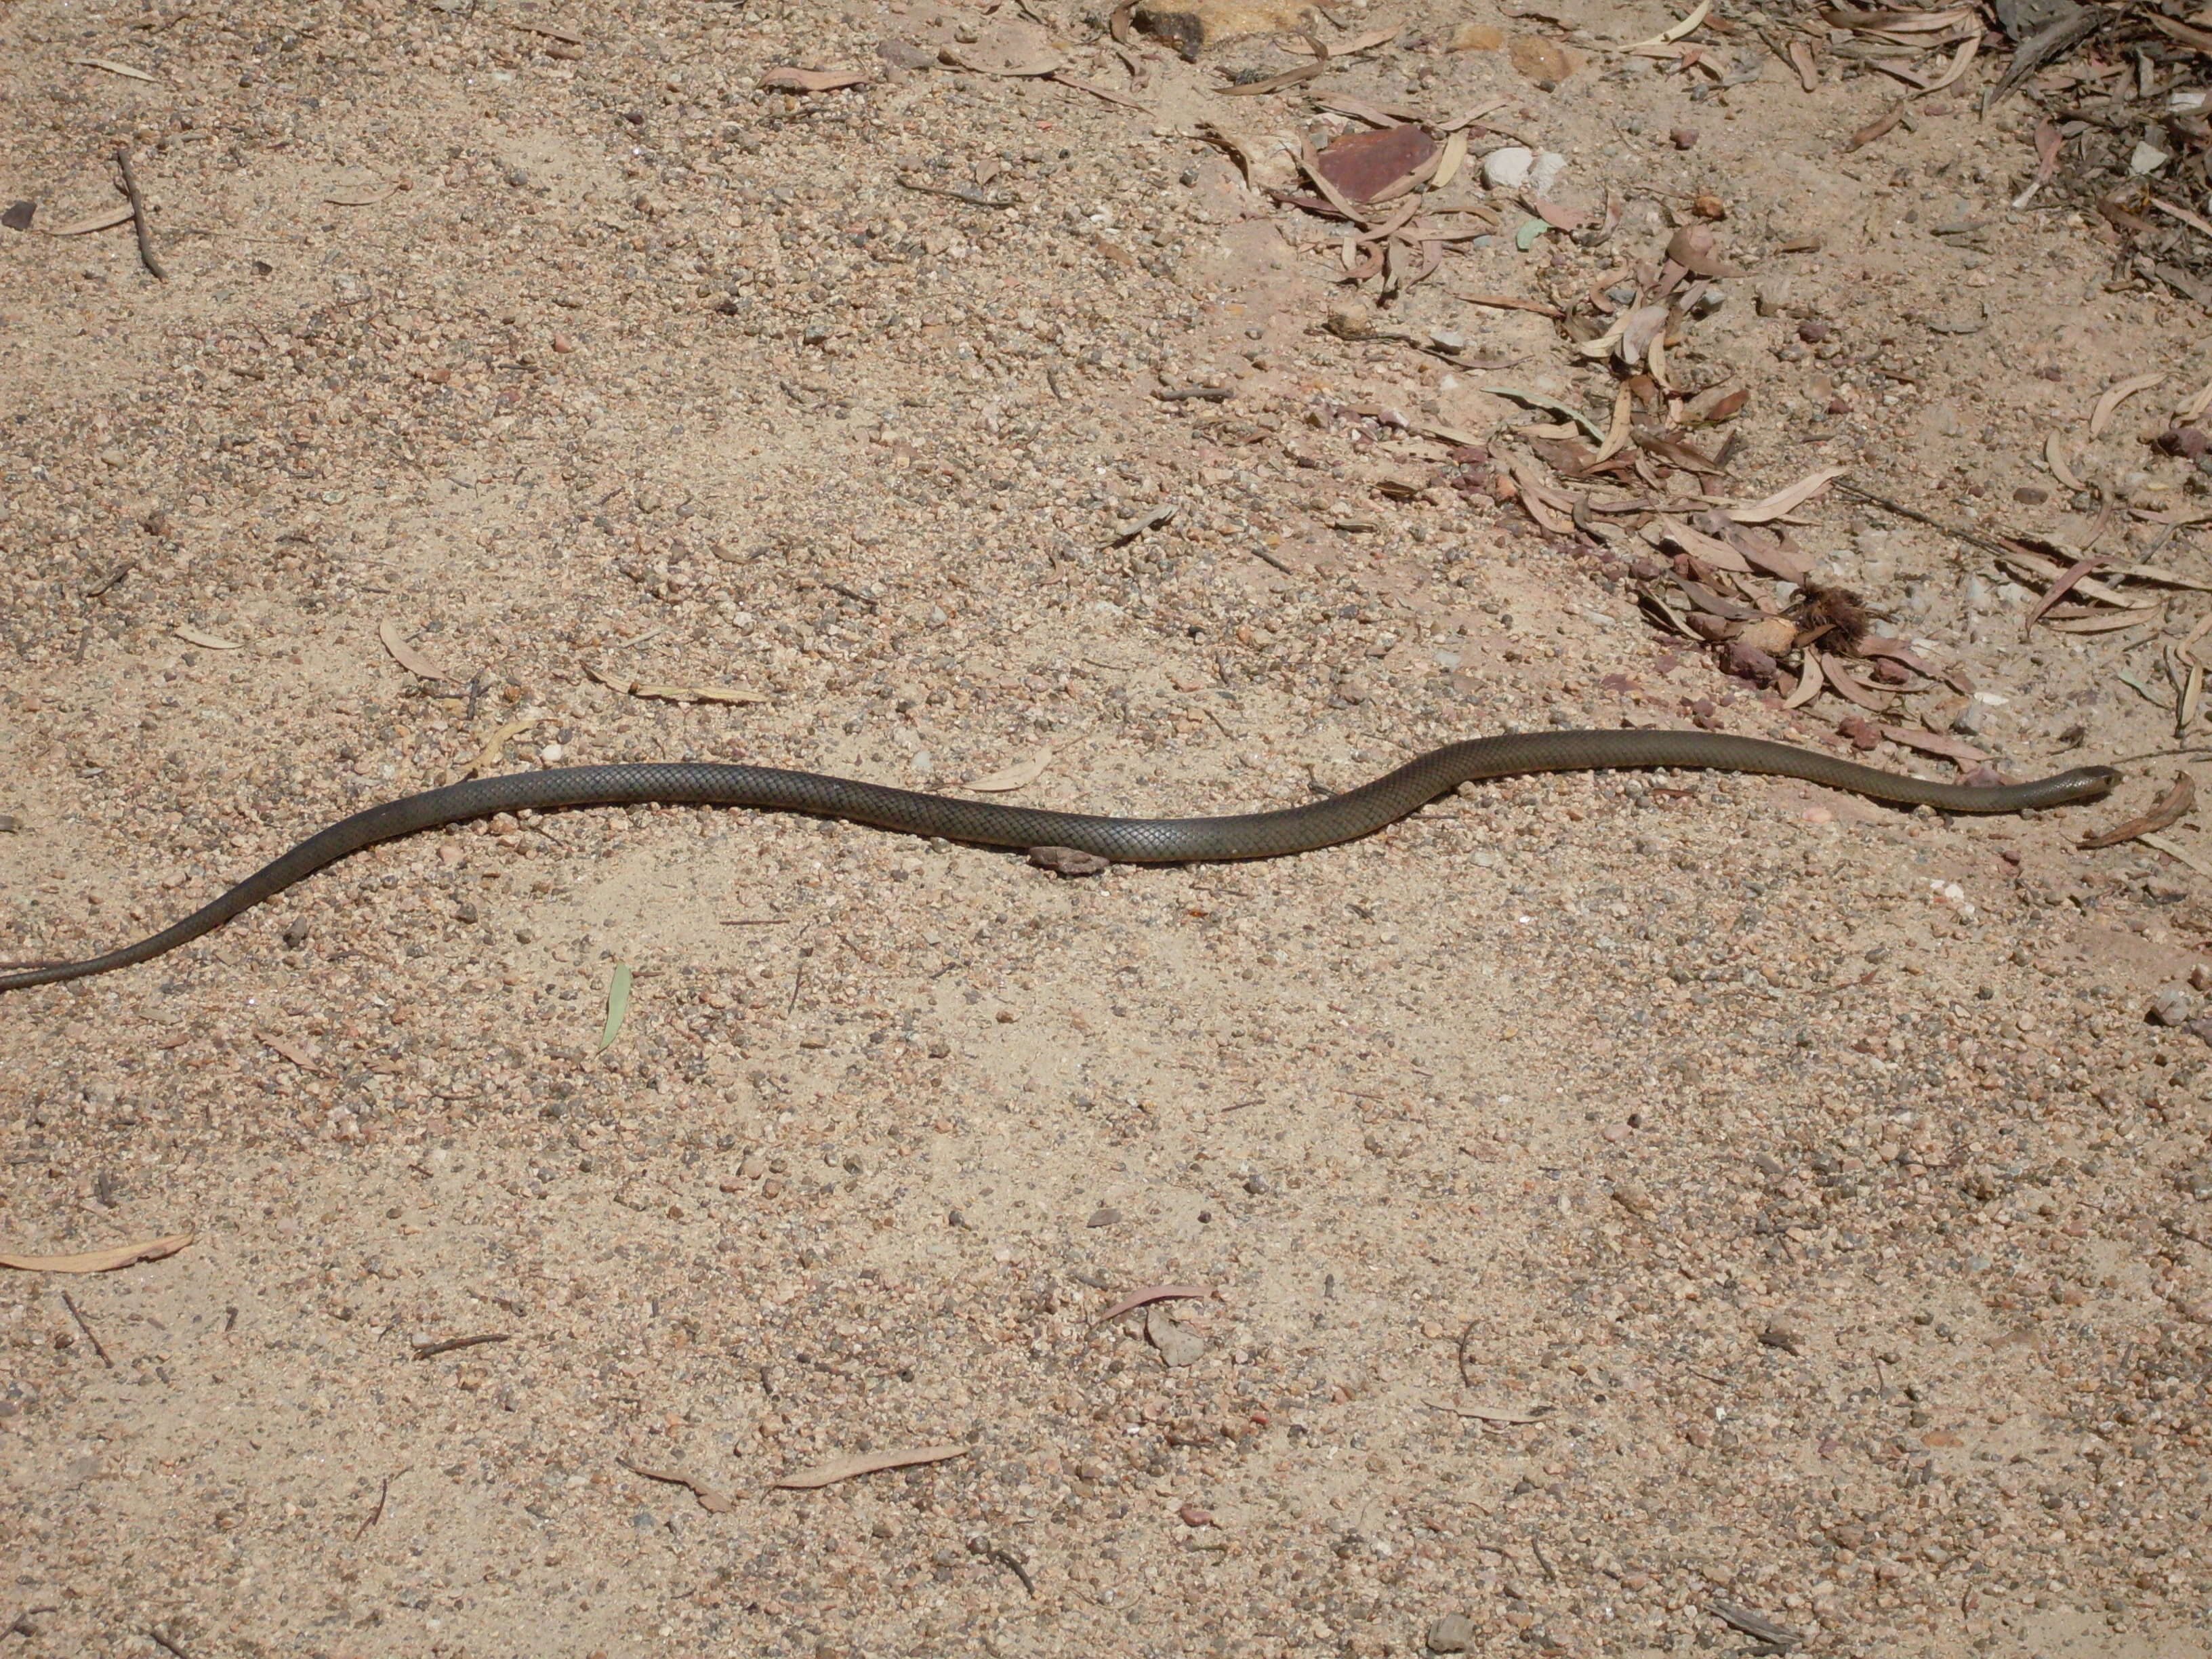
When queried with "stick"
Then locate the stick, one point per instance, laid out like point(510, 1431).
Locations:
point(1973, 538)
point(452, 1345)
point(1552, 1576)
point(86, 1330)
point(142, 225)
point(376, 1514)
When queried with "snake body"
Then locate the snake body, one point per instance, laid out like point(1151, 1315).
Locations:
point(1342, 818)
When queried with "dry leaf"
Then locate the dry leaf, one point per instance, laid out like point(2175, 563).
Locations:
point(365, 196)
point(2057, 590)
point(1694, 248)
point(1363, 164)
point(844, 1468)
point(1491, 1413)
point(112, 67)
point(713, 1501)
point(1020, 776)
point(1845, 682)
point(1551, 510)
point(495, 747)
point(1808, 684)
point(1542, 61)
point(207, 641)
point(675, 693)
point(1715, 404)
point(99, 1262)
point(1800, 60)
point(2101, 624)
point(2054, 455)
point(1667, 36)
point(103, 220)
point(2101, 417)
point(1934, 743)
point(1878, 127)
point(545, 29)
point(2175, 851)
point(1709, 549)
point(291, 1051)
point(1137, 1298)
point(1367, 42)
point(2167, 810)
point(1449, 164)
point(1787, 500)
point(407, 656)
point(800, 80)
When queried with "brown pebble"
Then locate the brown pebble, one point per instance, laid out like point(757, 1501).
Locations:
point(1813, 331)
point(564, 344)
point(1683, 137)
point(1707, 205)
point(2029, 496)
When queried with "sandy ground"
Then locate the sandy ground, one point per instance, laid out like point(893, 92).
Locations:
point(1617, 1198)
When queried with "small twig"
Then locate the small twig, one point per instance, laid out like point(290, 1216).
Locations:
point(1005, 1559)
point(1549, 1577)
point(969, 194)
point(1212, 394)
point(143, 225)
point(757, 921)
point(376, 1514)
point(1973, 538)
point(83, 1325)
point(1265, 557)
point(798, 979)
point(1465, 1380)
point(168, 1643)
point(453, 1345)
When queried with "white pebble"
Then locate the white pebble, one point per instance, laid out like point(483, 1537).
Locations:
point(1508, 168)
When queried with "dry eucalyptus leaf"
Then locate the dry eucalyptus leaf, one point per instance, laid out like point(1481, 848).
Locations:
point(112, 67)
point(362, 195)
point(406, 655)
point(712, 1501)
point(844, 1468)
point(98, 1261)
point(1935, 743)
point(2107, 405)
point(800, 80)
point(1020, 776)
point(1493, 1413)
point(2169, 809)
point(1696, 251)
point(291, 1051)
point(1783, 501)
point(103, 220)
point(1139, 1297)
point(207, 641)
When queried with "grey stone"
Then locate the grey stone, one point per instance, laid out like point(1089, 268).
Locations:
point(1453, 1633)
point(1178, 1345)
point(2172, 1005)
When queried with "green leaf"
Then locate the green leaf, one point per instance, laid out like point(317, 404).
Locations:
point(1525, 238)
point(618, 1006)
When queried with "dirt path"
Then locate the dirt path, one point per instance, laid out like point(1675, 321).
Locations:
point(1627, 1204)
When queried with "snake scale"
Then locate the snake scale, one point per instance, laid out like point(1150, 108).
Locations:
point(1342, 818)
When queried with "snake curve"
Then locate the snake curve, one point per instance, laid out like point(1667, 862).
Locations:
point(1347, 816)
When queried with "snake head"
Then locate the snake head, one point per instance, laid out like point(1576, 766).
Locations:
point(2086, 782)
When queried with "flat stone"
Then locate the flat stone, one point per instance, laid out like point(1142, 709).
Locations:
point(1178, 1345)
